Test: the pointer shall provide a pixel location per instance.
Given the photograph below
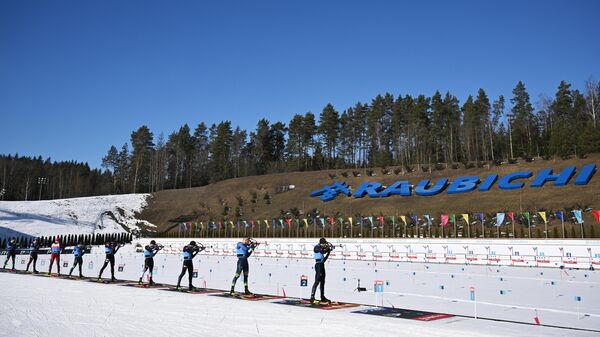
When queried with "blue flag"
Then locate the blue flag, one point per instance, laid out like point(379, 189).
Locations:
point(560, 215)
point(499, 219)
point(578, 217)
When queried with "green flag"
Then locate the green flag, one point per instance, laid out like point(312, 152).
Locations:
point(452, 217)
point(526, 215)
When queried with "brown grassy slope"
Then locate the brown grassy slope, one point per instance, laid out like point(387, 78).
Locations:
point(206, 202)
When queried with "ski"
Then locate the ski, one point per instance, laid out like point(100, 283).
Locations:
point(107, 281)
point(146, 285)
point(186, 290)
point(248, 297)
point(318, 304)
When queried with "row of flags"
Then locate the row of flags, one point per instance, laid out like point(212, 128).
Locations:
point(375, 221)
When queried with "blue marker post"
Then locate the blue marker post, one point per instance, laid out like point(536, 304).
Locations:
point(578, 300)
point(378, 288)
point(472, 297)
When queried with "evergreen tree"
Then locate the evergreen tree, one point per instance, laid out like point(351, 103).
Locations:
point(524, 133)
point(142, 143)
point(329, 131)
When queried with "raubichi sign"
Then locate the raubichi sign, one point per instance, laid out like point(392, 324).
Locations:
point(511, 181)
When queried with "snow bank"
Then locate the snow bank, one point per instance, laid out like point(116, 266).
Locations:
point(101, 214)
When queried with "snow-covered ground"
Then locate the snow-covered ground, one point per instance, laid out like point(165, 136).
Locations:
point(507, 293)
point(41, 306)
point(102, 214)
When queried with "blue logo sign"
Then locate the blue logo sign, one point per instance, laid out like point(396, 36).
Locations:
point(464, 184)
point(329, 193)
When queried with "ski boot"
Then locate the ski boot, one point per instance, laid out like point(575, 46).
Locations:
point(312, 300)
point(113, 278)
point(151, 283)
point(248, 292)
point(192, 288)
point(232, 291)
point(140, 281)
point(325, 300)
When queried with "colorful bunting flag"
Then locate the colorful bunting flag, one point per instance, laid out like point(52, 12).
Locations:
point(499, 219)
point(578, 217)
point(596, 214)
point(445, 219)
point(543, 216)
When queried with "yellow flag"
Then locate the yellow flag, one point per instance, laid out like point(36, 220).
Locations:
point(305, 222)
point(231, 222)
point(543, 215)
point(403, 217)
point(350, 220)
point(466, 217)
point(267, 223)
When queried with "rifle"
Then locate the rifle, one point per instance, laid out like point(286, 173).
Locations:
point(254, 242)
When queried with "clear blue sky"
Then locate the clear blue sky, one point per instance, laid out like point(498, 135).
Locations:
point(79, 76)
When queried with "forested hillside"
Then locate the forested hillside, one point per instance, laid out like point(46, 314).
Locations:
point(403, 131)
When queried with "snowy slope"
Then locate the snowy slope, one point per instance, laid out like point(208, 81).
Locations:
point(102, 214)
point(40, 306)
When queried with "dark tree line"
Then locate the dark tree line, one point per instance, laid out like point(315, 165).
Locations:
point(27, 178)
point(403, 131)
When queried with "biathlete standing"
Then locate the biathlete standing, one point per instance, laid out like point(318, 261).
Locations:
point(78, 252)
point(11, 253)
point(110, 249)
point(149, 251)
point(321, 254)
point(33, 254)
point(55, 250)
point(189, 253)
point(243, 249)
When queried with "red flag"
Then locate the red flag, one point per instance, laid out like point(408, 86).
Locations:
point(445, 219)
point(219, 222)
point(596, 215)
point(252, 223)
point(381, 219)
point(511, 215)
point(289, 222)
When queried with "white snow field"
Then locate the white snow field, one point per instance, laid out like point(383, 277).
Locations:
point(508, 298)
point(41, 306)
point(513, 281)
point(102, 214)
